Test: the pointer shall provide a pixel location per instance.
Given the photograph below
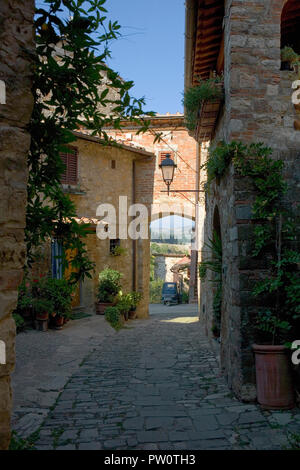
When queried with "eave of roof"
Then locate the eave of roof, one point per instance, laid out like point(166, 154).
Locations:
point(203, 38)
point(139, 153)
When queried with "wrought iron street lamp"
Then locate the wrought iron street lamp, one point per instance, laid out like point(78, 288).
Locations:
point(167, 167)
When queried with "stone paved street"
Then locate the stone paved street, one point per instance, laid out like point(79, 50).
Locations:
point(156, 385)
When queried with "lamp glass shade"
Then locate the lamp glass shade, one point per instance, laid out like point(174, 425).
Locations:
point(168, 167)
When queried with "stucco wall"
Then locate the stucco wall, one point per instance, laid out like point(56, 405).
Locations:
point(16, 35)
point(99, 183)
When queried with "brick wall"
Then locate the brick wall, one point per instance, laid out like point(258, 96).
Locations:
point(175, 139)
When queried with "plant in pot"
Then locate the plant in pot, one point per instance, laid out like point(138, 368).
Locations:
point(124, 305)
point(24, 306)
point(276, 328)
point(42, 308)
point(109, 287)
point(59, 291)
point(278, 323)
point(135, 298)
point(211, 90)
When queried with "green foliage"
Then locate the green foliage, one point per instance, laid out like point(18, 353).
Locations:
point(206, 90)
point(134, 298)
point(20, 323)
point(42, 305)
point(289, 55)
point(59, 292)
point(214, 265)
point(167, 248)
point(24, 296)
point(113, 316)
point(202, 271)
point(118, 251)
point(109, 285)
point(19, 443)
point(69, 89)
point(185, 297)
point(155, 291)
point(124, 303)
point(274, 230)
point(294, 441)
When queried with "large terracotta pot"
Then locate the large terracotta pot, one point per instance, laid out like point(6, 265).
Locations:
point(101, 307)
point(273, 377)
point(132, 314)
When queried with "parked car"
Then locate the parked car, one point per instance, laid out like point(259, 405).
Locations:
point(170, 293)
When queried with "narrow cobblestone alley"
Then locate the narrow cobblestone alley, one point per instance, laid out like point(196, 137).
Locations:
point(155, 385)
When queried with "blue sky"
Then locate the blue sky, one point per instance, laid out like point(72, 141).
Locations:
point(151, 51)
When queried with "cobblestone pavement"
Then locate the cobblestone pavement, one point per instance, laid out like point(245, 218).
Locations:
point(156, 385)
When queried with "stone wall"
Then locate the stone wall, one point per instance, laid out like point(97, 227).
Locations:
point(258, 108)
point(16, 35)
point(100, 182)
point(163, 265)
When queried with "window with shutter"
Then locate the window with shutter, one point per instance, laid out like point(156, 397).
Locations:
point(163, 155)
point(70, 159)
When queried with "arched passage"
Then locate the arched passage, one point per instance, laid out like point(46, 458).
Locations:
point(216, 256)
point(290, 23)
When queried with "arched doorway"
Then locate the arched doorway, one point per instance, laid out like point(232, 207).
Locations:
point(171, 240)
point(216, 264)
point(290, 22)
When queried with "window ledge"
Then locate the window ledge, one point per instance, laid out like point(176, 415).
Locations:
point(70, 189)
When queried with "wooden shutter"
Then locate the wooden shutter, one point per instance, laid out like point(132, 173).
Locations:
point(163, 156)
point(70, 159)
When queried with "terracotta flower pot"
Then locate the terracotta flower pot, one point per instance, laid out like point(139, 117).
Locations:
point(101, 307)
point(273, 377)
point(59, 322)
point(42, 316)
point(132, 314)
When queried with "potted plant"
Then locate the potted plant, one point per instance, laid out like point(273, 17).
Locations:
point(210, 90)
point(24, 306)
point(42, 308)
point(124, 305)
point(135, 298)
point(59, 291)
point(277, 325)
point(288, 58)
point(108, 288)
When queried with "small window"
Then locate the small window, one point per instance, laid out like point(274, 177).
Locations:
point(113, 164)
point(163, 155)
point(70, 159)
point(113, 244)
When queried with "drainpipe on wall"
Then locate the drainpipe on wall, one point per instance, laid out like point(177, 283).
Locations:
point(133, 241)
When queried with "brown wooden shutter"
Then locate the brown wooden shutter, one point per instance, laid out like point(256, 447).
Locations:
point(70, 159)
point(163, 156)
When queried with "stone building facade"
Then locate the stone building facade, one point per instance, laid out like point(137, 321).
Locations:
point(243, 41)
point(107, 175)
point(16, 36)
point(182, 147)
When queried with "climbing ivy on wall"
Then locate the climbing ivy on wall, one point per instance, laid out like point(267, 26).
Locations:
point(71, 86)
point(275, 234)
